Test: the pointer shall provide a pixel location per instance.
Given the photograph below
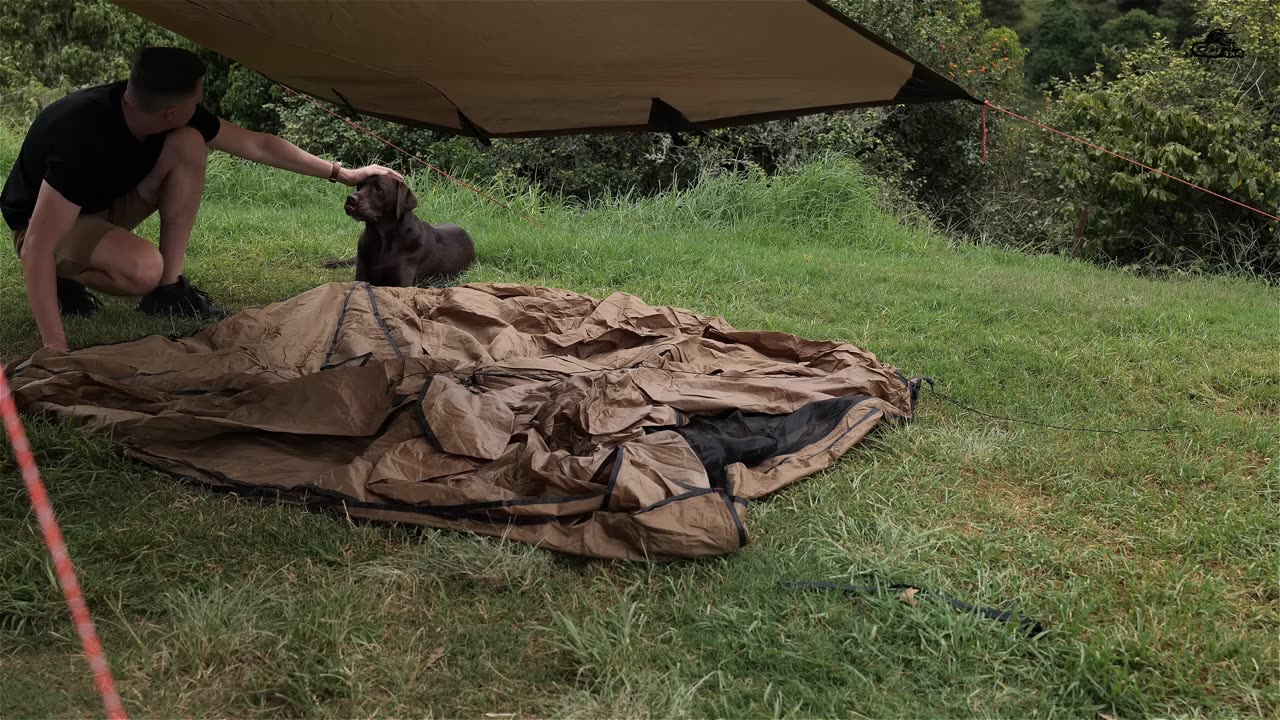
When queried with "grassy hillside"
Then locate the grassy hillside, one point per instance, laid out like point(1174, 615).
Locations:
point(1150, 556)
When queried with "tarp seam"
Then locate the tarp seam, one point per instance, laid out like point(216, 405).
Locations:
point(386, 332)
point(337, 330)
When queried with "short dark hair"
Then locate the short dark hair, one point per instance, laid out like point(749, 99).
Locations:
point(161, 76)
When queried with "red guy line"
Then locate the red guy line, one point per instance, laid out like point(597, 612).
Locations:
point(58, 552)
point(984, 133)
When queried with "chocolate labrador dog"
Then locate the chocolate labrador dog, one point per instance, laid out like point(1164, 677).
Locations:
point(397, 249)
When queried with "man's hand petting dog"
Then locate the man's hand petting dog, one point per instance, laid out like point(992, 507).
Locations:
point(355, 176)
point(396, 248)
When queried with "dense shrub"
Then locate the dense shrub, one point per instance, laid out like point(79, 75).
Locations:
point(51, 47)
point(1195, 119)
point(53, 42)
point(1214, 122)
point(1255, 26)
point(937, 148)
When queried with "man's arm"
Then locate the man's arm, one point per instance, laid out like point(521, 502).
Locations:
point(53, 217)
point(280, 153)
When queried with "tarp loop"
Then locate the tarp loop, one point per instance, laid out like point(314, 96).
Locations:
point(351, 108)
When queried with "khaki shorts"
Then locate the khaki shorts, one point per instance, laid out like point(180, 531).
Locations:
point(74, 252)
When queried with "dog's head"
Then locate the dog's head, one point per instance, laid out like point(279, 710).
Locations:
point(380, 197)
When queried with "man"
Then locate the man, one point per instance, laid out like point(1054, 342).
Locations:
point(98, 162)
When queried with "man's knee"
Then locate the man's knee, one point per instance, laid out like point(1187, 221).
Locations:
point(185, 147)
point(140, 273)
point(182, 161)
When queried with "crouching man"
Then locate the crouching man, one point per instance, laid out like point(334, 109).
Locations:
point(98, 162)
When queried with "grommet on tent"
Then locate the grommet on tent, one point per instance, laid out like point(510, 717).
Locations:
point(474, 130)
point(665, 118)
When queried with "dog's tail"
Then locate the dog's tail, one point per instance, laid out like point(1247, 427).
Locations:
point(345, 262)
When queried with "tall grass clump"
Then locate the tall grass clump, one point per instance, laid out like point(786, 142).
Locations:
point(830, 200)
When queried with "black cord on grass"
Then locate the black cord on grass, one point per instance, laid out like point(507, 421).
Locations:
point(1031, 628)
point(916, 383)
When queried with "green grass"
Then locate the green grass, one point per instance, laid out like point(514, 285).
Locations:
point(1151, 557)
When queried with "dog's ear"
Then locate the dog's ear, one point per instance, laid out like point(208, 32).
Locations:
point(405, 199)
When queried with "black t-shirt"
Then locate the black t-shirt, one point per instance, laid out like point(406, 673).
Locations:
point(83, 148)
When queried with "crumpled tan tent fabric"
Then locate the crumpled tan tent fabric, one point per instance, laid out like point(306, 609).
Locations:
point(522, 68)
point(595, 427)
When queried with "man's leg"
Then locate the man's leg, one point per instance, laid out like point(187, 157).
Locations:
point(104, 253)
point(105, 256)
point(175, 186)
point(121, 263)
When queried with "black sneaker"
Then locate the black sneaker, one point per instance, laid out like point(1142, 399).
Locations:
point(181, 298)
point(75, 299)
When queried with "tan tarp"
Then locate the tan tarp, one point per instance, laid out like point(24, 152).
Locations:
point(544, 415)
point(506, 68)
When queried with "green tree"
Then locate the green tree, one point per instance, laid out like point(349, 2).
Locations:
point(1134, 29)
point(1183, 15)
point(51, 47)
point(1098, 12)
point(1065, 45)
point(1002, 12)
